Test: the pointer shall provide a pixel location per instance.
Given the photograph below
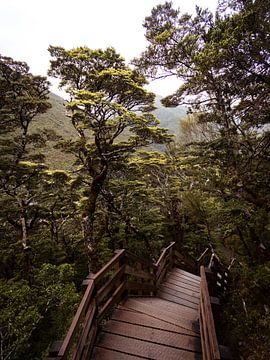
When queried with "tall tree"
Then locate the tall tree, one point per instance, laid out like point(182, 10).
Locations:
point(110, 110)
point(223, 62)
point(22, 97)
point(224, 65)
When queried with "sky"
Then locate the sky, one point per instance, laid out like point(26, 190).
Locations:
point(28, 27)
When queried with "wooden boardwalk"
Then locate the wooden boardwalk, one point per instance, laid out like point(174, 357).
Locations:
point(161, 327)
point(133, 308)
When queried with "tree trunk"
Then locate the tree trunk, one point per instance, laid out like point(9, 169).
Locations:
point(27, 252)
point(89, 218)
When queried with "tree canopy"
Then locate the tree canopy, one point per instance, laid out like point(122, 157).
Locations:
point(107, 100)
point(209, 189)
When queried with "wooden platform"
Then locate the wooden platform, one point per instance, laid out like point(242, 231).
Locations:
point(162, 327)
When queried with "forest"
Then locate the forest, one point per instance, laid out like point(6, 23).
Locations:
point(126, 182)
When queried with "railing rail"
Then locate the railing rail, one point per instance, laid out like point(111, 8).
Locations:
point(124, 274)
point(217, 273)
point(210, 348)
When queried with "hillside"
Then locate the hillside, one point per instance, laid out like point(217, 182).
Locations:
point(56, 119)
point(169, 117)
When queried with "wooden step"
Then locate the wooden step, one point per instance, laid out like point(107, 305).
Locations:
point(100, 353)
point(183, 278)
point(154, 335)
point(124, 315)
point(181, 289)
point(144, 349)
point(177, 300)
point(179, 294)
point(162, 314)
point(183, 272)
point(175, 309)
point(172, 281)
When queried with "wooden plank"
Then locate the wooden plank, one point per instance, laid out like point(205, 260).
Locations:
point(163, 263)
point(153, 335)
point(77, 319)
point(109, 285)
point(164, 252)
point(177, 300)
point(89, 344)
point(99, 275)
point(182, 284)
point(100, 353)
point(204, 336)
point(205, 349)
point(184, 277)
point(88, 323)
point(207, 316)
point(160, 314)
point(178, 311)
point(179, 294)
point(144, 349)
point(181, 289)
point(116, 296)
point(180, 271)
point(183, 281)
point(131, 317)
point(160, 278)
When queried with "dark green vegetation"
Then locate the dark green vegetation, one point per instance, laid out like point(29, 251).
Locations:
point(212, 187)
point(224, 63)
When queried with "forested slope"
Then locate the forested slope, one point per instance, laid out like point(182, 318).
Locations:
point(59, 222)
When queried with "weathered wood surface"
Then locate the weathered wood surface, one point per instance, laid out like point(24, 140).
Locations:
point(210, 346)
point(162, 327)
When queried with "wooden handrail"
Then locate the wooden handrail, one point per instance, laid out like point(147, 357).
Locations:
point(164, 253)
point(164, 263)
point(96, 277)
point(210, 348)
point(76, 320)
point(124, 274)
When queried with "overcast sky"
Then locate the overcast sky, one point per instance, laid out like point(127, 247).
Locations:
point(28, 27)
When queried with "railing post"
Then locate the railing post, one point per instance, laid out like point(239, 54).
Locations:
point(172, 257)
point(54, 350)
point(139, 267)
point(210, 277)
point(209, 341)
point(122, 261)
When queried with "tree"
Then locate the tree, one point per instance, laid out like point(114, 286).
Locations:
point(23, 96)
point(223, 62)
point(110, 111)
point(223, 85)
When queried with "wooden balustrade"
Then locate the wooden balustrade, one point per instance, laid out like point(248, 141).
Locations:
point(216, 272)
point(209, 342)
point(164, 263)
point(125, 274)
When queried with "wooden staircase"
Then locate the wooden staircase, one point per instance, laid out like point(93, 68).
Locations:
point(163, 327)
point(134, 309)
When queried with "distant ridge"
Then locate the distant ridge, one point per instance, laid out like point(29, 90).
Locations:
point(56, 120)
point(169, 117)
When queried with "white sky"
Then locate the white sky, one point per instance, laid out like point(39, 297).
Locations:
point(28, 27)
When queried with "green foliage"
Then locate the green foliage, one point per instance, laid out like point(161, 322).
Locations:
point(19, 316)
point(212, 187)
point(247, 310)
point(223, 65)
point(106, 99)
